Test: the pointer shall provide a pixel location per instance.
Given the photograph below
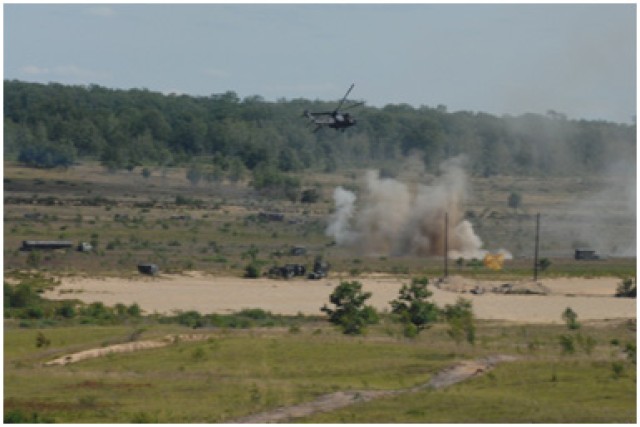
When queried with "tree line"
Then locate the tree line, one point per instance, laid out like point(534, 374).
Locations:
point(227, 137)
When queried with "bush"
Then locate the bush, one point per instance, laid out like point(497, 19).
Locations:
point(97, 311)
point(461, 322)
point(16, 416)
point(191, 318)
point(626, 289)
point(42, 340)
point(630, 350)
point(66, 310)
point(571, 318)
point(134, 310)
point(254, 313)
point(310, 196)
point(566, 344)
point(252, 271)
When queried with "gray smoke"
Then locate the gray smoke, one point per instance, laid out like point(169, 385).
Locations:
point(606, 219)
point(399, 218)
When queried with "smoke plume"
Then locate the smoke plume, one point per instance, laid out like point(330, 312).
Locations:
point(397, 218)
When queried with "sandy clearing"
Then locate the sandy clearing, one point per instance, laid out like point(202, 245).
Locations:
point(592, 299)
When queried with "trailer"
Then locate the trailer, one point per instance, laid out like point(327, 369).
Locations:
point(148, 268)
point(586, 254)
point(32, 245)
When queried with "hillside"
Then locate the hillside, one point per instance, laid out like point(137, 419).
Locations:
point(224, 136)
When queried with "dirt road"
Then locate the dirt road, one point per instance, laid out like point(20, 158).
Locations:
point(330, 402)
point(592, 299)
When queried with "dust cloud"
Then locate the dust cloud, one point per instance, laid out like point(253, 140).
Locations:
point(602, 221)
point(404, 217)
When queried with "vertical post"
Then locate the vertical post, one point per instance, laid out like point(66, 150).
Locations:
point(535, 257)
point(446, 244)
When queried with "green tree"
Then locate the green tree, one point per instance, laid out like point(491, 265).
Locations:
point(350, 312)
point(461, 322)
point(514, 201)
point(194, 174)
point(544, 264)
point(571, 318)
point(311, 195)
point(413, 307)
point(48, 155)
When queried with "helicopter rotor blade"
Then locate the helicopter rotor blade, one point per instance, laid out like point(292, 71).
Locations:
point(345, 96)
point(353, 106)
point(323, 113)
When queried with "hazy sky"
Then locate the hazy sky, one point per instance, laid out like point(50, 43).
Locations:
point(577, 59)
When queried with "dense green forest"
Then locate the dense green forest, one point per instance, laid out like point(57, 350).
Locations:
point(224, 137)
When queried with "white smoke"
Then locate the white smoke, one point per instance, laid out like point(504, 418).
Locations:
point(396, 218)
point(339, 220)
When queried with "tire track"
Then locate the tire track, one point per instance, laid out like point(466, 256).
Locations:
point(329, 402)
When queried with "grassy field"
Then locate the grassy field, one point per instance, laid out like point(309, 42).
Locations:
point(213, 227)
point(234, 373)
point(561, 375)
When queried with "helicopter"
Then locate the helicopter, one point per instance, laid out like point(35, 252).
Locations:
point(334, 119)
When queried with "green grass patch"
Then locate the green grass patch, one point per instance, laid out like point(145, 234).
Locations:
point(237, 372)
point(529, 391)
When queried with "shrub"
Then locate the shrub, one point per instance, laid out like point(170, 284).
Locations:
point(254, 313)
point(252, 271)
point(98, 311)
point(461, 322)
point(571, 318)
point(42, 340)
point(618, 369)
point(630, 350)
point(566, 344)
point(66, 310)
point(587, 343)
point(626, 289)
point(544, 264)
point(16, 416)
point(134, 310)
point(310, 196)
point(191, 318)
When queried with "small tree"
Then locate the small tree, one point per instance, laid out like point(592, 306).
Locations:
point(252, 270)
point(310, 196)
point(514, 201)
point(350, 313)
point(42, 340)
point(194, 174)
point(460, 319)
point(544, 264)
point(571, 318)
point(413, 308)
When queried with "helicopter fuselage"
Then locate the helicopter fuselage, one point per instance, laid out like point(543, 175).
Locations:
point(333, 119)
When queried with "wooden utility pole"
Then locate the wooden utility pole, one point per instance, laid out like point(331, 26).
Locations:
point(535, 257)
point(446, 244)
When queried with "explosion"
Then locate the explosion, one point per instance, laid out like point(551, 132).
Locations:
point(394, 218)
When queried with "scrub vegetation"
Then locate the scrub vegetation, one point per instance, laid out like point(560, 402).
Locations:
point(229, 187)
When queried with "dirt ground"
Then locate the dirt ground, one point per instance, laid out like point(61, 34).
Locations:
point(592, 299)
